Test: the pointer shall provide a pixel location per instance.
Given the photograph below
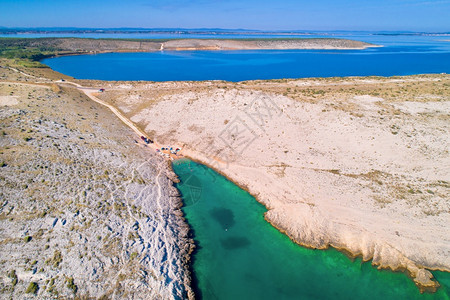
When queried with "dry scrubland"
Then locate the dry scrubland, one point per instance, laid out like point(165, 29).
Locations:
point(360, 164)
point(84, 211)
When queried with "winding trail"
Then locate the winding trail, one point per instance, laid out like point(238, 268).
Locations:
point(90, 92)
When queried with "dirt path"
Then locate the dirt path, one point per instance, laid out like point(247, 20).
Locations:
point(25, 74)
point(90, 92)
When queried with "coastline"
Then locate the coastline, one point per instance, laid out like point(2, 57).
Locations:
point(423, 286)
point(80, 46)
point(417, 270)
point(209, 48)
point(205, 48)
point(187, 260)
point(256, 196)
point(195, 292)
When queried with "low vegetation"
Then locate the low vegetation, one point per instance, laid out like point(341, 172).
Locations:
point(32, 288)
point(26, 53)
point(71, 285)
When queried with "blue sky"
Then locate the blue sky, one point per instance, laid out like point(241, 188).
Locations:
point(415, 15)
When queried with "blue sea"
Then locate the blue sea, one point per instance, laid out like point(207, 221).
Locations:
point(400, 55)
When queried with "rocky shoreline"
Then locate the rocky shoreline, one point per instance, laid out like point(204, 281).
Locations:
point(366, 199)
point(85, 211)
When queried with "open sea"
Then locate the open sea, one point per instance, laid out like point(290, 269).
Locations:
point(400, 55)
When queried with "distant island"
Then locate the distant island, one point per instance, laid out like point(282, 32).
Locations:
point(35, 49)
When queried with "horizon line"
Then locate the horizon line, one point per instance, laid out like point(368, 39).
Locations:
point(212, 29)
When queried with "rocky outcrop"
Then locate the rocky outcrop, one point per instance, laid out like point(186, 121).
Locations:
point(84, 210)
point(268, 44)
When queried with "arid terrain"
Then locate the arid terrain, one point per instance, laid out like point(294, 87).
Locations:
point(360, 164)
point(85, 211)
point(274, 44)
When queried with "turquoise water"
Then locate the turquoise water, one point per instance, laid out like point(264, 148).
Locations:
point(241, 256)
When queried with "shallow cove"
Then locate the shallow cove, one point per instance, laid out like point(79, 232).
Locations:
point(241, 256)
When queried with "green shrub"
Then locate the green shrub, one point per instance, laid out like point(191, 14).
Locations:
point(71, 284)
point(133, 255)
point(56, 260)
point(32, 288)
point(13, 276)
